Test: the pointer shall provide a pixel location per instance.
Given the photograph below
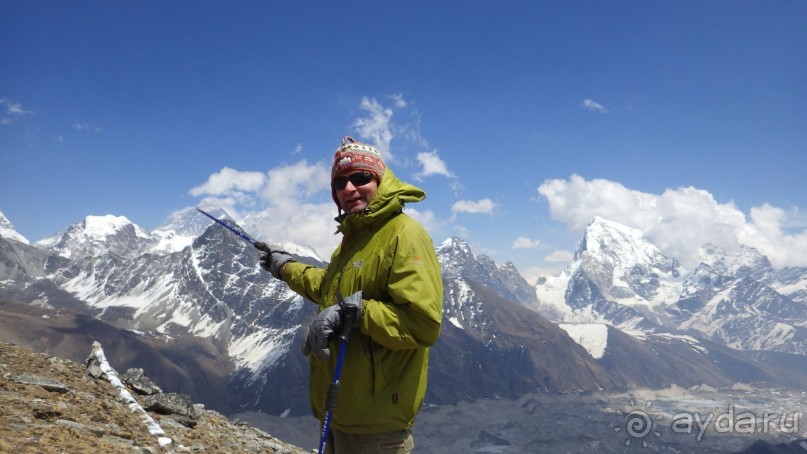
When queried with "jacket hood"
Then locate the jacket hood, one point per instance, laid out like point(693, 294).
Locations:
point(389, 199)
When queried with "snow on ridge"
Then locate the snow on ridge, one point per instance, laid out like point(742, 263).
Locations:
point(551, 291)
point(100, 227)
point(621, 246)
point(591, 336)
point(170, 242)
point(694, 343)
point(300, 250)
point(7, 230)
point(261, 349)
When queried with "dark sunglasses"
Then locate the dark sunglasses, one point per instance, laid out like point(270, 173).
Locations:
point(356, 179)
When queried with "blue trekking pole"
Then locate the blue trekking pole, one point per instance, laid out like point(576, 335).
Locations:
point(219, 221)
point(333, 389)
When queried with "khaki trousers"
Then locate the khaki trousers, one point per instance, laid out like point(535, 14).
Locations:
point(397, 442)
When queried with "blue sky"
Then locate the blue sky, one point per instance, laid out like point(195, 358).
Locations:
point(521, 120)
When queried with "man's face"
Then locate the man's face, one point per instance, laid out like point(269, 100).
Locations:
point(359, 189)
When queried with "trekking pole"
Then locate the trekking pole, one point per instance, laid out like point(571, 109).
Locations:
point(219, 221)
point(333, 389)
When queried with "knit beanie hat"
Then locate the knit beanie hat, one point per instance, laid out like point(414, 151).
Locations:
point(353, 156)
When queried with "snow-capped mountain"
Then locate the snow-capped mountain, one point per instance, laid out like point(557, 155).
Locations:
point(616, 277)
point(213, 307)
point(490, 346)
point(95, 236)
point(518, 349)
point(733, 297)
point(184, 226)
point(457, 259)
point(791, 281)
point(7, 230)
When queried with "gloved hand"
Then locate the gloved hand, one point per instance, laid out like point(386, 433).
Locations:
point(328, 324)
point(272, 261)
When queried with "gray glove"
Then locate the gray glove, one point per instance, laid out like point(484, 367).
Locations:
point(272, 260)
point(328, 324)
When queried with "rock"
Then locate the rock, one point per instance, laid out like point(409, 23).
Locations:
point(170, 404)
point(50, 385)
point(93, 367)
point(77, 426)
point(139, 383)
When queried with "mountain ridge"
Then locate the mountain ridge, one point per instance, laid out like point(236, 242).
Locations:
point(211, 298)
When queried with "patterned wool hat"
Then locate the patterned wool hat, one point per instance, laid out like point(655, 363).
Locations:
point(353, 156)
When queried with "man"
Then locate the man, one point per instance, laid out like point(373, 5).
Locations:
point(387, 267)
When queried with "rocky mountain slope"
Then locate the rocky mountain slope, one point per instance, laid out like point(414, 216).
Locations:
point(51, 405)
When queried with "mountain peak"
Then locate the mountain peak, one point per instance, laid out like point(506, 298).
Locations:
point(620, 246)
point(101, 227)
point(742, 260)
point(96, 235)
point(183, 226)
point(454, 242)
point(7, 230)
point(602, 233)
point(455, 254)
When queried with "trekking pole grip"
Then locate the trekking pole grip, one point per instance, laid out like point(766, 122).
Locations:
point(347, 324)
point(333, 396)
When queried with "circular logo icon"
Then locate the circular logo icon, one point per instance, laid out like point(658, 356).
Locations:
point(638, 423)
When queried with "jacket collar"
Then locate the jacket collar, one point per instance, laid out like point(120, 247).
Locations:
point(389, 200)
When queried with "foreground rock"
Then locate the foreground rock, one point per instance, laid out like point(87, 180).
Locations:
point(50, 405)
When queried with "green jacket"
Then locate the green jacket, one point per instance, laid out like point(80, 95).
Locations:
point(391, 258)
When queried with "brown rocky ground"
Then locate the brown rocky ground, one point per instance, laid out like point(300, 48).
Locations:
point(52, 405)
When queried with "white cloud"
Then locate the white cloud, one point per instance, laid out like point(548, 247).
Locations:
point(679, 220)
point(426, 218)
point(376, 127)
point(432, 165)
point(559, 257)
point(399, 100)
point(86, 127)
point(483, 206)
point(523, 242)
point(307, 224)
point(293, 200)
point(379, 128)
point(462, 231)
point(228, 180)
point(293, 183)
point(533, 273)
point(593, 106)
point(14, 108)
point(765, 232)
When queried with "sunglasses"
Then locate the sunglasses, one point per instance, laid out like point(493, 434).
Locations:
point(356, 179)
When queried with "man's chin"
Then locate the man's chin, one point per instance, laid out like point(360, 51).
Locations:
point(355, 209)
